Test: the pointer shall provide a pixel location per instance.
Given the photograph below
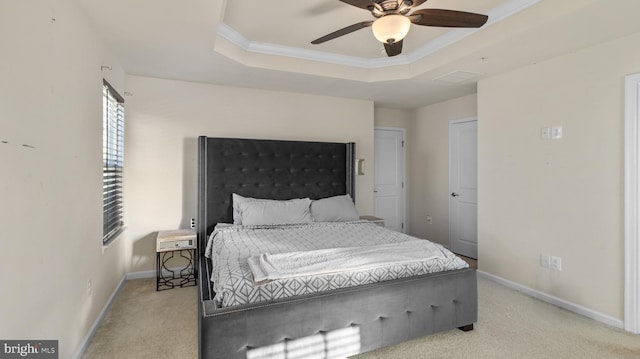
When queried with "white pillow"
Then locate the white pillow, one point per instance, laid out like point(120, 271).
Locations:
point(334, 209)
point(275, 212)
point(236, 200)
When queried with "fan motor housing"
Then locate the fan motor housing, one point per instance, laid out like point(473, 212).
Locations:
point(388, 7)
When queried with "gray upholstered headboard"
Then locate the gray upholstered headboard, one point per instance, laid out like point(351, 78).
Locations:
point(267, 169)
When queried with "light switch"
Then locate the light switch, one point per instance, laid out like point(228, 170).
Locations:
point(545, 261)
point(545, 133)
point(556, 132)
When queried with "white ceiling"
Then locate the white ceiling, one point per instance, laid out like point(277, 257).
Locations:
point(266, 44)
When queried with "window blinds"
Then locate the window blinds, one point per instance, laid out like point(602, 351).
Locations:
point(112, 162)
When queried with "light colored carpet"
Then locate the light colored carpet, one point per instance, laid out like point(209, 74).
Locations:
point(144, 323)
point(513, 325)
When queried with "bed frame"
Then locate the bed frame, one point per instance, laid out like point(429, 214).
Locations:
point(376, 315)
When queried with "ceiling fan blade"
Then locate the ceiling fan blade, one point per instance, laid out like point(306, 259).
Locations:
point(363, 4)
point(344, 31)
point(394, 48)
point(416, 3)
point(447, 18)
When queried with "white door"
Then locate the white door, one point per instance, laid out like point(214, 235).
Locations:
point(463, 187)
point(632, 204)
point(389, 175)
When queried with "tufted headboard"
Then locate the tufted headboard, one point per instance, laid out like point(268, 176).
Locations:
point(267, 169)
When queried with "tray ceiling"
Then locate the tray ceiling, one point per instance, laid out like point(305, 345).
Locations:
point(267, 44)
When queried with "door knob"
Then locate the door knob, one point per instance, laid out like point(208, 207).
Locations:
point(453, 194)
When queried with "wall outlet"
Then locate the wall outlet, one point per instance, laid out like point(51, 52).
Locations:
point(556, 263)
point(556, 132)
point(89, 287)
point(429, 220)
point(545, 261)
point(193, 223)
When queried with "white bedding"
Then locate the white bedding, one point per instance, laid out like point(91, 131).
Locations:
point(267, 266)
point(230, 247)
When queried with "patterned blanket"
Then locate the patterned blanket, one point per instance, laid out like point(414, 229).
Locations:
point(230, 247)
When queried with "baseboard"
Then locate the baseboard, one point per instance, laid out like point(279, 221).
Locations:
point(141, 275)
point(87, 339)
point(149, 273)
point(572, 307)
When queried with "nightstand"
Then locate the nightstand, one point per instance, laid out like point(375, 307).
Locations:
point(176, 244)
point(373, 219)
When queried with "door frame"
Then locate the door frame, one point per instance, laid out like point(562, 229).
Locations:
point(405, 207)
point(451, 123)
point(632, 204)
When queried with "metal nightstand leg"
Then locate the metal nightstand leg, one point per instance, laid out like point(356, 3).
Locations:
point(169, 279)
point(188, 273)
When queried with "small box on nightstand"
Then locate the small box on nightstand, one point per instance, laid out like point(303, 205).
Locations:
point(175, 239)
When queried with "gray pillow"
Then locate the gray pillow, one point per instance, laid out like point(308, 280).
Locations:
point(334, 209)
point(236, 200)
point(275, 212)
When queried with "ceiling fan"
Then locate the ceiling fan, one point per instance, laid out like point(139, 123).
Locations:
point(393, 21)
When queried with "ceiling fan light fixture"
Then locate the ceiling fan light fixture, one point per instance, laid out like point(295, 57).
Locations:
point(391, 28)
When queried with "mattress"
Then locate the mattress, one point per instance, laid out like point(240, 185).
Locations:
point(229, 247)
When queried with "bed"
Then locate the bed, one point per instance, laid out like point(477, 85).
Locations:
point(323, 324)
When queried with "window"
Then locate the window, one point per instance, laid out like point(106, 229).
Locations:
point(112, 162)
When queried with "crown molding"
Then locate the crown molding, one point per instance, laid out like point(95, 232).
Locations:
point(496, 14)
